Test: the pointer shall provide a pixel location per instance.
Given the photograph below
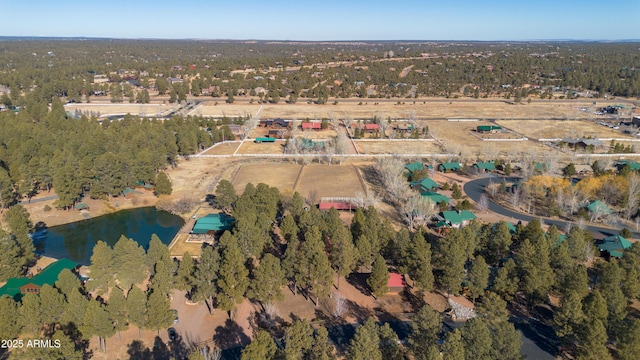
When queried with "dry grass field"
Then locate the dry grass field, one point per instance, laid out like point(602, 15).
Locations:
point(561, 128)
point(249, 147)
point(398, 147)
point(133, 109)
point(282, 176)
point(329, 180)
point(458, 140)
point(428, 108)
point(223, 109)
point(223, 149)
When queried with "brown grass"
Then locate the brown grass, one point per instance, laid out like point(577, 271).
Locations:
point(483, 108)
point(398, 147)
point(329, 180)
point(562, 128)
point(249, 147)
point(282, 176)
point(222, 149)
point(133, 109)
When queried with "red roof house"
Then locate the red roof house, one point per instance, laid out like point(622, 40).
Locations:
point(311, 125)
point(371, 127)
point(396, 283)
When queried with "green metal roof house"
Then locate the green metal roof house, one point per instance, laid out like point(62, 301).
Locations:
point(212, 223)
point(16, 287)
point(425, 184)
point(615, 245)
point(488, 128)
point(451, 166)
point(81, 206)
point(435, 197)
point(485, 166)
point(457, 218)
point(598, 207)
point(414, 166)
point(633, 166)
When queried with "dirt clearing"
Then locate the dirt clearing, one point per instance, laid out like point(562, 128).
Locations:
point(282, 176)
point(561, 128)
point(318, 180)
point(398, 147)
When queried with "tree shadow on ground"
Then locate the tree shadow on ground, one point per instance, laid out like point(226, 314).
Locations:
point(535, 324)
point(415, 300)
point(136, 350)
point(359, 281)
point(230, 335)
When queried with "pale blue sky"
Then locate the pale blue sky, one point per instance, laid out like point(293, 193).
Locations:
point(325, 20)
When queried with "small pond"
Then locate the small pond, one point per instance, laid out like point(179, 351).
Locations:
point(76, 240)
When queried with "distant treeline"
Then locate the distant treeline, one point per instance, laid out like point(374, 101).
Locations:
point(40, 149)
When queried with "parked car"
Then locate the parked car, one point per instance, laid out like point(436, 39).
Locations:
point(175, 316)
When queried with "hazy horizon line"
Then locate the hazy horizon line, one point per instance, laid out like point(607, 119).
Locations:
point(310, 41)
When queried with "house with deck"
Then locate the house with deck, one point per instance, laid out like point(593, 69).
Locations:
point(18, 287)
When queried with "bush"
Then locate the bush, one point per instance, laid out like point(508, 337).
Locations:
point(47, 208)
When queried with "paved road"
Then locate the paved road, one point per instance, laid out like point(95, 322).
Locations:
point(475, 188)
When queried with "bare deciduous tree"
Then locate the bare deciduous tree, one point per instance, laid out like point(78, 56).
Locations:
point(340, 305)
point(515, 198)
point(633, 194)
point(483, 202)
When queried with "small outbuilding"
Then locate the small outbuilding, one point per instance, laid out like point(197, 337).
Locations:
point(396, 283)
point(414, 166)
point(435, 197)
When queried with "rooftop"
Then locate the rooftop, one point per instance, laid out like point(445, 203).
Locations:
point(213, 222)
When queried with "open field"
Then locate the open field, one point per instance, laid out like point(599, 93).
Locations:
point(329, 181)
point(398, 147)
point(249, 147)
point(223, 149)
point(561, 128)
point(114, 109)
point(223, 109)
point(282, 176)
point(423, 108)
point(457, 139)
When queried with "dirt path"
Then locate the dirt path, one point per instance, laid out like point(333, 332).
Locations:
point(405, 71)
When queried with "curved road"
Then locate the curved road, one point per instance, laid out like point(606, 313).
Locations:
point(475, 188)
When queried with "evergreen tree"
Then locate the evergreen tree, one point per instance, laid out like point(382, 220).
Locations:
point(74, 308)
point(163, 184)
point(321, 348)
point(478, 277)
point(315, 270)
point(117, 309)
point(569, 317)
point(68, 282)
point(232, 278)
point(52, 305)
point(31, 316)
point(268, 278)
point(477, 339)
point(185, 272)
point(426, 326)
point(593, 339)
point(534, 268)
point(389, 343)
point(506, 281)
point(288, 228)
point(11, 261)
point(159, 313)
point(365, 343)
point(297, 205)
point(298, 339)
point(342, 252)
point(629, 341)
point(205, 276)
point(379, 278)
point(261, 348)
point(499, 243)
point(417, 261)
point(451, 261)
point(19, 222)
point(128, 263)
point(137, 308)
point(453, 346)
point(101, 268)
point(455, 192)
point(10, 325)
point(96, 323)
point(225, 195)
